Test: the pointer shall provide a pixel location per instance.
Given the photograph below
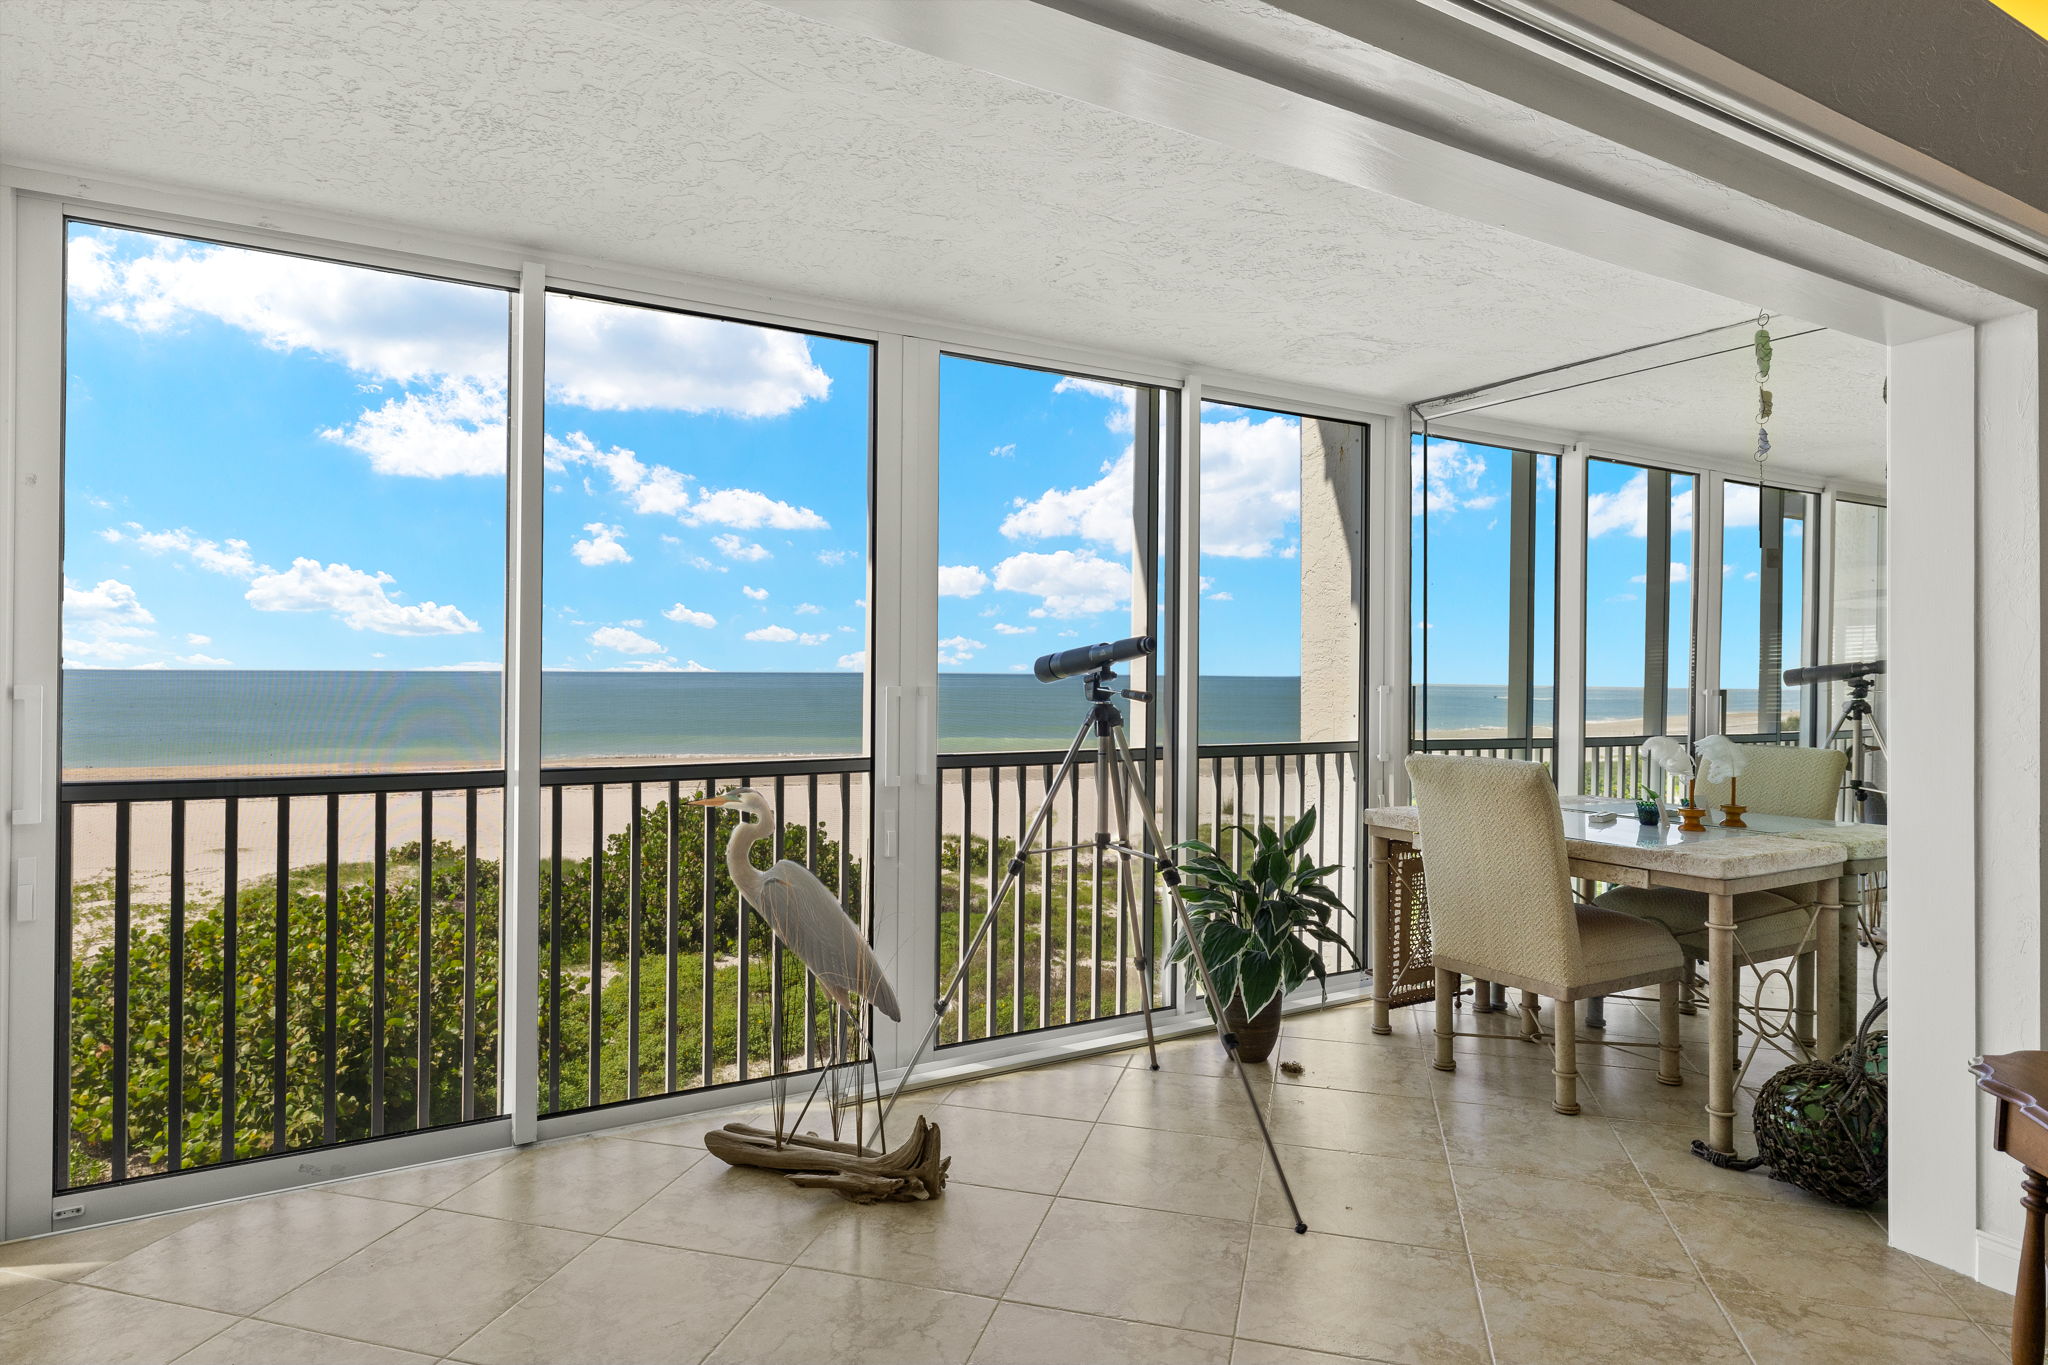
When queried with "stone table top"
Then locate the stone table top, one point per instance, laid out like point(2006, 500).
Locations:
point(1713, 854)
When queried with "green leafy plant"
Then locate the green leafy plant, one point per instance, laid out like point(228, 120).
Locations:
point(1258, 927)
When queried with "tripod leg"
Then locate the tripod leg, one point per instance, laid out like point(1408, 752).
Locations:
point(1170, 873)
point(1126, 900)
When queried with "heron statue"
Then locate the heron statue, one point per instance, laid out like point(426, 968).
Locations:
point(807, 919)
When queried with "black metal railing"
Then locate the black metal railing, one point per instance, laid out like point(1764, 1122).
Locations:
point(248, 967)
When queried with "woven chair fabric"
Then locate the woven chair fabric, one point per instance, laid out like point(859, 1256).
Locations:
point(1783, 781)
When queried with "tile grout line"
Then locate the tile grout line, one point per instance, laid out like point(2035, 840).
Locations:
point(1464, 1229)
point(1697, 1269)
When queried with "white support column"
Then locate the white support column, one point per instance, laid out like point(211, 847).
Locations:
point(1709, 585)
point(1390, 611)
point(1815, 717)
point(903, 671)
point(1568, 703)
point(1942, 771)
point(31, 503)
point(519, 924)
point(1187, 660)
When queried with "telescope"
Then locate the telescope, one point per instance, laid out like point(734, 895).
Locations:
point(1824, 673)
point(1086, 659)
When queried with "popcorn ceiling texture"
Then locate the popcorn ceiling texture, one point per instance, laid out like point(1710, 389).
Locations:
point(740, 141)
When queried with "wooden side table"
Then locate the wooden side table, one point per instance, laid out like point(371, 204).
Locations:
point(2019, 1082)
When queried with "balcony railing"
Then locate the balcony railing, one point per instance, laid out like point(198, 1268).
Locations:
point(212, 1010)
point(1062, 951)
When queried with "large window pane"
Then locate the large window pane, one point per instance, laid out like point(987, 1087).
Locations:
point(1484, 537)
point(707, 537)
point(284, 513)
point(284, 565)
point(1639, 562)
point(1857, 624)
point(1763, 607)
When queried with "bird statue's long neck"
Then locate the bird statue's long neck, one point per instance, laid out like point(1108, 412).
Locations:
point(738, 855)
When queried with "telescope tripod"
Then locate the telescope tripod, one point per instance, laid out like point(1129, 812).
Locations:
point(1117, 788)
point(1861, 722)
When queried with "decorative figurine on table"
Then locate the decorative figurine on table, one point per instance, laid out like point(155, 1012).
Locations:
point(1649, 805)
point(1670, 755)
point(1722, 760)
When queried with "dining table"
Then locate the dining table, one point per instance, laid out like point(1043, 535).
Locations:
point(1822, 863)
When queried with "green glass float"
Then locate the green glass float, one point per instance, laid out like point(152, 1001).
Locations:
point(1821, 1125)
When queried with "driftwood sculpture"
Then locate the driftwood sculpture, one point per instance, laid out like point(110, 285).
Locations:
point(913, 1171)
point(808, 920)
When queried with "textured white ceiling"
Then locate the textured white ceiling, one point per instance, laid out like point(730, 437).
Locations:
point(741, 141)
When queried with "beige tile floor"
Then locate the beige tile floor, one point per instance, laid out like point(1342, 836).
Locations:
point(1099, 1212)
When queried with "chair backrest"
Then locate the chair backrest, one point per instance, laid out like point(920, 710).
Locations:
point(1777, 780)
point(1493, 852)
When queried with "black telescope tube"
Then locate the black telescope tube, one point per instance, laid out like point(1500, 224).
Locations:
point(1820, 673)
point(1068, 662)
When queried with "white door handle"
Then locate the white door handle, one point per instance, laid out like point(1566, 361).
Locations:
point(30, 753)
point(927, 731)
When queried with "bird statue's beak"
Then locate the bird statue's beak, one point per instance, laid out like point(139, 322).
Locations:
point(711, 801)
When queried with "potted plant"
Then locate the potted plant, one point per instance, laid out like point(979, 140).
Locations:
point(1260, 929)
point(1649, 806)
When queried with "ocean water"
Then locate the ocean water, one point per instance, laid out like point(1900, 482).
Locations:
point(253, 721)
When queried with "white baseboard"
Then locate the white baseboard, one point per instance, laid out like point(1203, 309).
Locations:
point(1998, 1261)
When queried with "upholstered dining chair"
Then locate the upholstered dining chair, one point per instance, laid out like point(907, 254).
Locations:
point(1501, 909)
point(1776, 780)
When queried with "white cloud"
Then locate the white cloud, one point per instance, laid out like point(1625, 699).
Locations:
point(458, 427)
point(746, 509)
point(1680, 573)
point(197, 640)
point(1220, 597)
point(603, 546)
point(700, 562)
point(961, 580)
point(202, 661)
point(1068, 584)
point(472, 666)
point(808, 609)
point(387, 325)
point(104, 622)
point(611, 357)
point(832, 559)
point(1124, 416)
point(1005, 628)
point(111, 535)
point(1627, 509)
point(624, 641)
point(732, 547)
point(682, 614)
point(1455, 470)
point(783, 635)
point(958, 649)
point(1100, 511)
point(1004, 451)
point(758, 594)
point(229, 557)
point(357, 599)
point(857, 659)
point(659, 666)
point(1251, 486)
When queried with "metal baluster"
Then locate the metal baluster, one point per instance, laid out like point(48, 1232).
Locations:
point(1045, 915)
point(60, 1149)
point(175, 1105)
point(1017, 918)
point(775, 1015)
point(423, 970)
point(743, 993)
point(965, 898)
point(231, 967)
point(469, 955)
point(555, 951)
point(379, 887)
point(280, 997)
point(1095, 925)
point(672, 939)
point(811, 863)
point(123, 827)
point(595, 1047)
point(707, 929)
point(633, 898)
point(330, 1053)
point(988, 907)
point(1073, 897)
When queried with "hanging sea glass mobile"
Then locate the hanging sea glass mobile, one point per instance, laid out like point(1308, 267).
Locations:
point(1763, 394)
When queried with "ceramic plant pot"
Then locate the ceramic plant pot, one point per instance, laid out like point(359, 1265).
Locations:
point(1256, 1037)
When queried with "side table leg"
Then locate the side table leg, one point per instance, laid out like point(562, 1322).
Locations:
point(1721, 1022)
point(2027, 1303)
point(1380, 899)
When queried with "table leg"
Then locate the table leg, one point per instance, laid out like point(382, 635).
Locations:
point(1380, 898)
point(2027, 1304)
point(1849, 896)
point(1721, 1022)
point(1827, 951)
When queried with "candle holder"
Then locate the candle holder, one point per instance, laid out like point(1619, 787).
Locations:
point(1691, 817)
point(1731, 814)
